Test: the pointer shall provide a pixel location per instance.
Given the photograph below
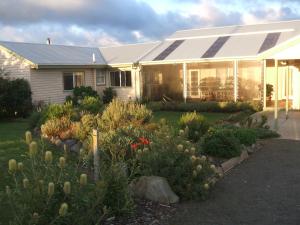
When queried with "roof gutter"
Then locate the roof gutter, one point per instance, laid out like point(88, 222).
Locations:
point(92, 66)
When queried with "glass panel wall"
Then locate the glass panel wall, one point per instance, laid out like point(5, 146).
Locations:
point(212, 81)
point(162, 80)
point(249, 80)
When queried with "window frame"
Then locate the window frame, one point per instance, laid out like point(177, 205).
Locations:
point(103, 73)
point(121, 80)
point(74, 74)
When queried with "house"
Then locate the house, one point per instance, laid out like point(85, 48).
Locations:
point(232, 63)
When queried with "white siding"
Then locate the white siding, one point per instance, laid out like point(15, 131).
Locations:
point(47, 84)
point(15, 66)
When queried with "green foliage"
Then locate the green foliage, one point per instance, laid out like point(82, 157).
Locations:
point(56, 111)
point(195, 124)
point(116, 190)
point(245, 136)
point(108, 95)
point(79, 93)
point(34, 119)
point(239, 116)
point(91, 104)
point(58, 127)
point(82, 130)
point(263, 133)
point(221, 143)
point(15, 98)
point(120, 113)
point(32, 199)
point(178, 162)
point(205, 106)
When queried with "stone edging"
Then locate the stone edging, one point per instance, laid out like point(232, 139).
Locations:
point(233, 162)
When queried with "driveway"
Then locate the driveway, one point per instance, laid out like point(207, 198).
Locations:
point(264, 190)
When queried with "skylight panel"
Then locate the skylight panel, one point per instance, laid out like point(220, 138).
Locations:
point(215, 47)
point(269, 42)
point(168, 50)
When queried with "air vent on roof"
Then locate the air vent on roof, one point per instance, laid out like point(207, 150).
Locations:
point(215, 47)
point(168, 50)
point(269, 42)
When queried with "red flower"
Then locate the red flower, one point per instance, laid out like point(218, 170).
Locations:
point(134, 146)
point(144, 141)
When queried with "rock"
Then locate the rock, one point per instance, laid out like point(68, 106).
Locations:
point(154, 188)
point(244, 156)
point(250, 150)
point(58, 142)
point(70, 142)
point(76, 147)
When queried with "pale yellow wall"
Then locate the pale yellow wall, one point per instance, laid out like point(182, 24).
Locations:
point(47, 84)
point(124, 93)
point(14, 65)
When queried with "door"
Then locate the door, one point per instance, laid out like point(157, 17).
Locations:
point(194, 83)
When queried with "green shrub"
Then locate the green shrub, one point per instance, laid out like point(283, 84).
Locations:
point(34, 119)
point(206, 106)
point(82, 130)
point(117, 196)
point(221, 143)
point(91, 104)
point(245, 136)
point(50, 189)
point(189, 175)
point(195, 124)
point(15, 98)
point(239, 116)
point(263, 133)
point(120, 113)
point(108, 95)
point(79, 93)
point(53, 111)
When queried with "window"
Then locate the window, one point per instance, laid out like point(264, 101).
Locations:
point(120, 78)
point(72, 80)
point(100, 77)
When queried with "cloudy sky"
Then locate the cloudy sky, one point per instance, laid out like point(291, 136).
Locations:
point(111, 22)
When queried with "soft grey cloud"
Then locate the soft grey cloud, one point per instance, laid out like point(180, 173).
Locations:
point(105, 22)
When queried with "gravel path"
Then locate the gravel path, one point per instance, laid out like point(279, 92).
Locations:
point(264, 190)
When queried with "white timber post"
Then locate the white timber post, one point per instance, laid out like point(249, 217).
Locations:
point(287, 91)
point(96, 154)
point(265, 84)
point(235, 80)
point(184, 82)
point(276, 97)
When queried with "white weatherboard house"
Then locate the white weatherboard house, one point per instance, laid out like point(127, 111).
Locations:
point(233, 63)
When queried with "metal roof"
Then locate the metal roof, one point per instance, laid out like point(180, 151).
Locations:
point(127, 54)
point(44, 54)
point(244, 41)
point(247, 41)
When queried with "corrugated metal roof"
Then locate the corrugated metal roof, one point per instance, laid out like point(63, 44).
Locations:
point(126, 54)
point(43, 54)
point(244, 41)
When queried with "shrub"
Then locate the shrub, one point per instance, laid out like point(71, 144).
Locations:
point(263, 133)
point(245, 136)
point(55, 111)
point(91, 104)
point(120, 113)
point(221, 143)
point(79, 93)
point(58, 127)
point(48, 189)
point(83, 129)
point(15, 98)
point(206, 106)
point(108, 95)
point(195, 124)
point(188, 174)
point(34, 119)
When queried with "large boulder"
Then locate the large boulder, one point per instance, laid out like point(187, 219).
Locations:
point(154, 188)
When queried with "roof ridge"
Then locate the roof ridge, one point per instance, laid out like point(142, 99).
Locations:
point(64, 45)
point(123, 45)
point(239, 25)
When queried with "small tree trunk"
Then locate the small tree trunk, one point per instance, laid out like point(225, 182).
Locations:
point(96, 155)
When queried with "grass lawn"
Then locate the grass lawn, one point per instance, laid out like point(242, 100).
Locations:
point(173, 117)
